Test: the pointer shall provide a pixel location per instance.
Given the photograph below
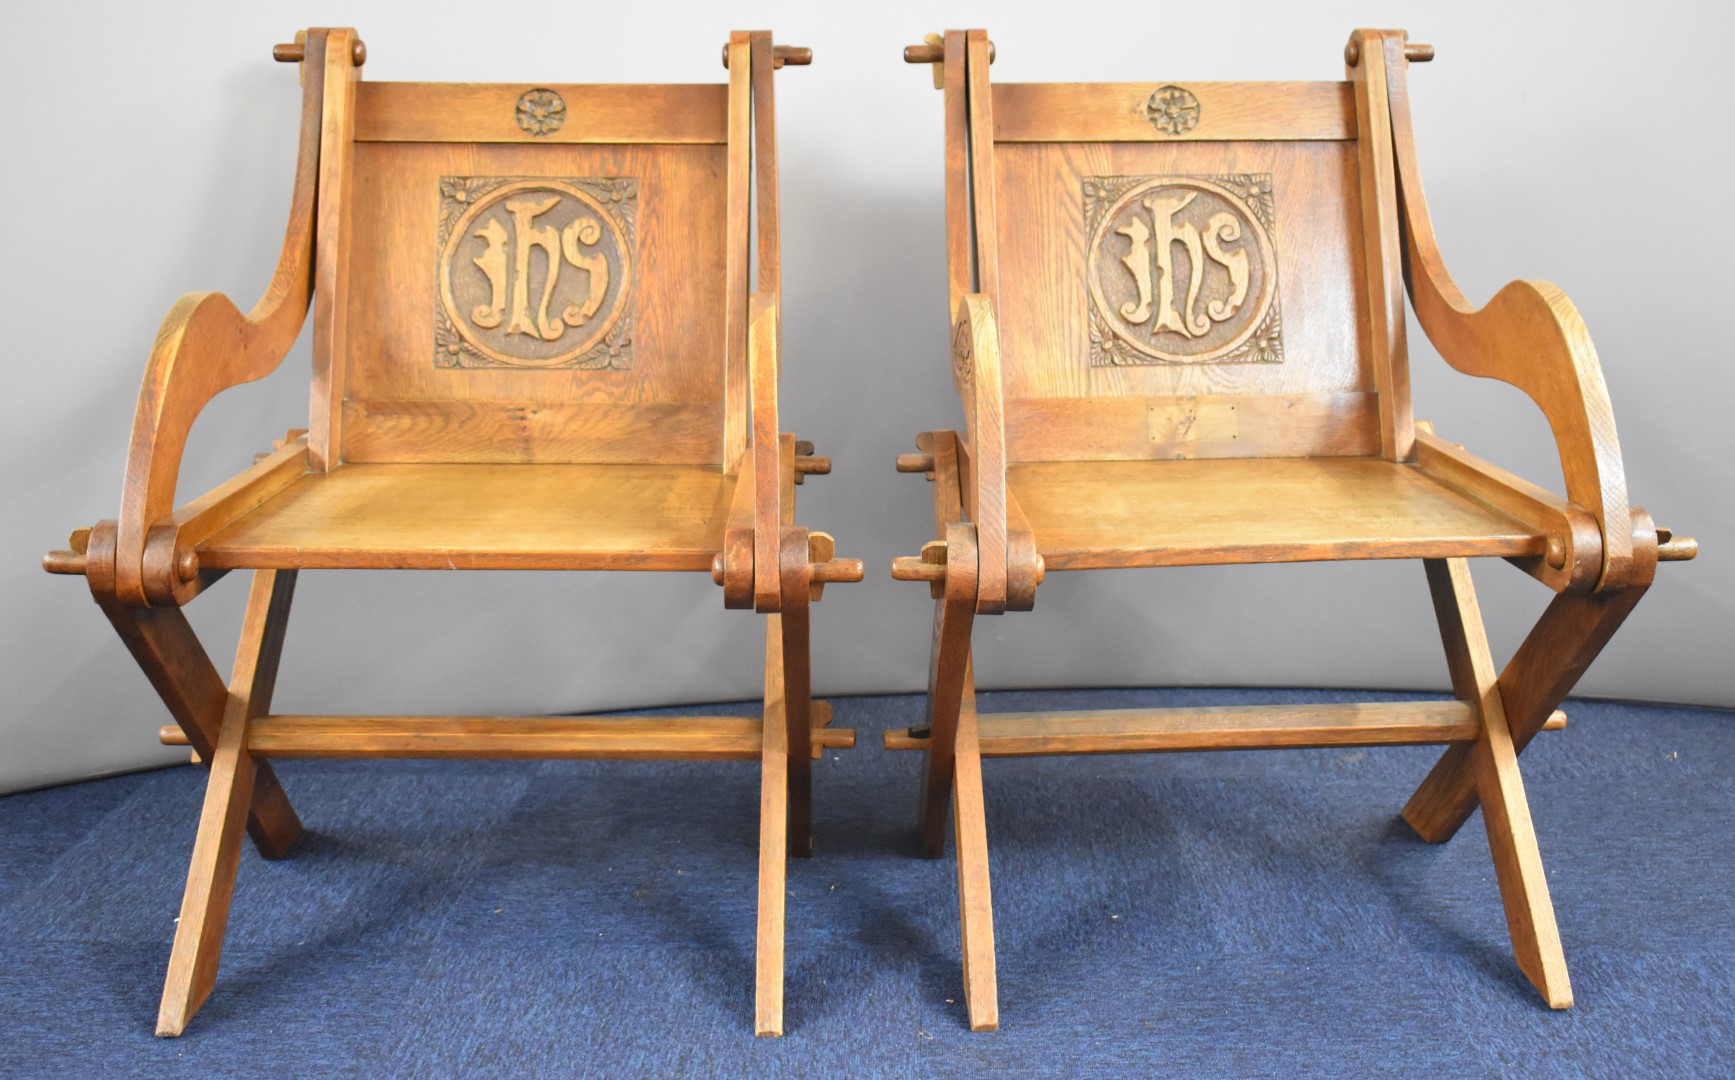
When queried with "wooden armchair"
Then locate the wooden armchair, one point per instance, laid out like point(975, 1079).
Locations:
point(536, 345)
point(1179, 339)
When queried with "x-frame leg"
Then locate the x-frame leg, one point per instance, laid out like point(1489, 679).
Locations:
point(773, 840)
point(1499, 788)
point(1555, 655)
point(168, 652)
point(229, 793)
point(952, 768)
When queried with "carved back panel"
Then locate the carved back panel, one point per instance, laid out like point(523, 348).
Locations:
point(533, 273)
point(1180, 270)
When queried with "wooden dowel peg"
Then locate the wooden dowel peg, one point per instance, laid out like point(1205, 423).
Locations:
point(1672, 548)
point(833, 570)
point(1414, 53)
point(64, 562)
point(809, 465)
point(914, 463)
point(934, 53)
point(915, 568)
point(793, 55)
point(296, 52)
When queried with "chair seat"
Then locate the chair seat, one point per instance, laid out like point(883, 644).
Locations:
point(485, 517)
point(1100, 514)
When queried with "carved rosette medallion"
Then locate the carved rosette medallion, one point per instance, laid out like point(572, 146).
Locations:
point(1172, 110)
point(1182, 270)
point(540, 112)
point(535, 272)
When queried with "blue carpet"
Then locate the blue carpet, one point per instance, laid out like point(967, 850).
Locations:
point(1237, 915)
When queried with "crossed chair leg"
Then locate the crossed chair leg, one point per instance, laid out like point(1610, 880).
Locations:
point(242, 790)
point(1510, 709)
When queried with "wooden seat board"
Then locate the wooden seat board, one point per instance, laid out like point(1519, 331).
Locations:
point(1101, 514)
point(445, 516)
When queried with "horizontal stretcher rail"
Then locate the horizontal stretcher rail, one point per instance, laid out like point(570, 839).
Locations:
point(1246, 727)
point(629, 738)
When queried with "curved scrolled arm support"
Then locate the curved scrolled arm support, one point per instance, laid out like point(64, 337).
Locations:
point(1529, 336)
point(976, 374)
point(206, 345)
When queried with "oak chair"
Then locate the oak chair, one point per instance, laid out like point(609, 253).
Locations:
point(1179, 340)
point(542, 339)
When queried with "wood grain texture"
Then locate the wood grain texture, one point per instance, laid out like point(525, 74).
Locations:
point(769, 239)
point(167, 651)
point(1572, 631)
point(175, 537)
point(1092, 515)
point(1529, 336)
point(975, 895)
point(960, 232)
point(618, 448)
point(794, 625)
point(474, 517)
point(1505, 810)
point(984, 182)
point(1385, 346)
point(622, 738)
point(333, 244)
point(472, 431)
point(1573, 559)
point(1199, 426)
point(768, 466)
point(1246, 727)
point(976, 370)
point(773, 840)
point(677, 342)
point(1044, 242)
point(205, 346)
point(948, 664)
point(486, 113)
point(737, 220)
point(1228, 112)
point(229, 792)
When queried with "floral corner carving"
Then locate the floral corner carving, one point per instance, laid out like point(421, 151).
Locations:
point(1173, 110)
point(540, 111)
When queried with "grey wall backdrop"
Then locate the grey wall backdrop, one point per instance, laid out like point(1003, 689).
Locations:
point(149, 152)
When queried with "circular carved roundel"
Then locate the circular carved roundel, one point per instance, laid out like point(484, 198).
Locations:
point(535, 273)
point(1181, 270)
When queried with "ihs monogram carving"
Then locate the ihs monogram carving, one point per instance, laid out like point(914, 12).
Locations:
point(541, 112)
point(1182, 270)
point(535, 272)
point(1172, 110)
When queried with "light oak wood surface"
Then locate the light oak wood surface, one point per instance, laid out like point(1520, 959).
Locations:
point(1091, 515)
point(462, 517)
point(1179, 338)
point(531, 350)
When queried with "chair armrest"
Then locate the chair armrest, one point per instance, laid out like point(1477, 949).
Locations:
point(1573, 557)
point(1529, 336)
point(206, 346)
point(976, 374)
